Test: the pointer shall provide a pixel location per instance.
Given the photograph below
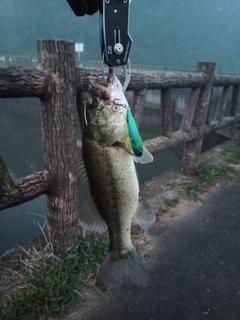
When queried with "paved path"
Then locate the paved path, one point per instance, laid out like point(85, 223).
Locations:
point(195, 272)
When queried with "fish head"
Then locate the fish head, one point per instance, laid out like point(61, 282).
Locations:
point(106, 111)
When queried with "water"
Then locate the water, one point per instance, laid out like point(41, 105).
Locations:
point(21, 148)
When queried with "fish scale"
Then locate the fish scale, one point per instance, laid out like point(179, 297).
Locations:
point(114, 201)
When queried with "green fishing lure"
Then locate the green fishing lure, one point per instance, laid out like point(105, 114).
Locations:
point(135, 139)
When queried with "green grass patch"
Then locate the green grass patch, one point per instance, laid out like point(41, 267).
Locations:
point(47, 285)
point(169, 203)
point(233, 154)
point(206, 176)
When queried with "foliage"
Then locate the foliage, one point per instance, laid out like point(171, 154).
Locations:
point(233, 154)
point(169, 203)
point(48, 285)
point(206, 175)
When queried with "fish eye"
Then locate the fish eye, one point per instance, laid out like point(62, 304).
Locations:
point(94, 103)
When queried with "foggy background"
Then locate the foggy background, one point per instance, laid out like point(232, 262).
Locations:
point(175, 33)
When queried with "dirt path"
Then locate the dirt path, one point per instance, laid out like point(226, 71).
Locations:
point(192, 255)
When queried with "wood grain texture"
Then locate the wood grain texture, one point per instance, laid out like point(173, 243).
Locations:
point(192, 149)
point(24, 190)
point(162, 143)
point(224, 80)
point(190, 110)
point(18, 82)
point(145, 79)
point(166, 111)
point(223, 103)
point(59, 141)
point(235, 109)
point(138, 104)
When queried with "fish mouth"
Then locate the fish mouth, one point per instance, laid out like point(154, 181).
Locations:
point(97, 90)
point(100, 91)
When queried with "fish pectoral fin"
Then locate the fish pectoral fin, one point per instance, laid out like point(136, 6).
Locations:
point(144, 216)
point(89, 217)
point(124, 146)
point(145, 158)
point(80, 172)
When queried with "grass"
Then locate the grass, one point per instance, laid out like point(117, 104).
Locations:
point(233, 154)
point(206, 176)
point(47, 285)
point(169, 203)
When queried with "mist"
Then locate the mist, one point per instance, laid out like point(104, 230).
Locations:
point(171, 34)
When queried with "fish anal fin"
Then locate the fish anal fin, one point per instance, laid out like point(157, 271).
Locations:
point(80, 172)
point(144, 217)
point(89, 217)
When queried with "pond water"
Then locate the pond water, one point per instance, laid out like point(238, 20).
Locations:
point(21, 148)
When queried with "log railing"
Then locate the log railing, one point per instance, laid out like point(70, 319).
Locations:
point(60, 87)
point(54, 82)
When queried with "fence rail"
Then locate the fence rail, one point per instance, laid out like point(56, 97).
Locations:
point(60, 87)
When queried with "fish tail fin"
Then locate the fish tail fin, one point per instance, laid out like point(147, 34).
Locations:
point(126, 270)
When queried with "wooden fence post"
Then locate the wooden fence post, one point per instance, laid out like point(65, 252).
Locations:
point(191, 109)
point(192, 149)
point(59, 141)
point(214, 102)
point(235, 108)
point(166, 109)
point(138, 104)
point(222, 105)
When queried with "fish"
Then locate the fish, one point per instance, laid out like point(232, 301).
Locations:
point(110, 148)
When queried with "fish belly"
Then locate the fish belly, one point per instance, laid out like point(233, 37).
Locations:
point(115, 190)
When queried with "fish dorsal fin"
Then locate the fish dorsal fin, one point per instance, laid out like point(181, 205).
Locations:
point(135, 138)
point(80, 172)
point(89, 217)
point(144, 216)
point(145, 158)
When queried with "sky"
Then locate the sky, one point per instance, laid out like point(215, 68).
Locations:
point(166, 33)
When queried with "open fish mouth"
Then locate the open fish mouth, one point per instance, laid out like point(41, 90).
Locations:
point(100, 91)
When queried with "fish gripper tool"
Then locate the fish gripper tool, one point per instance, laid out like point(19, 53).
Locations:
point(115, 39)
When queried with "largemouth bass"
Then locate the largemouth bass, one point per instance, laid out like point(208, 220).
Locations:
point(110, 142)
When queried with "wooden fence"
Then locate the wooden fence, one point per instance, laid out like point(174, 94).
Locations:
point(60, 87)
